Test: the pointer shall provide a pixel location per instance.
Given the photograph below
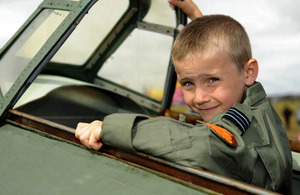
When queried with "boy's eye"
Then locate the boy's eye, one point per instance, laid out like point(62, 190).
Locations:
point(211, 80)
point(187, 83)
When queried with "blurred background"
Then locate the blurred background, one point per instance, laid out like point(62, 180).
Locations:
point(274, 30)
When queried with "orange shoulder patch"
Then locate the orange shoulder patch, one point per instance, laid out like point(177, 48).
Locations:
point(223, 134)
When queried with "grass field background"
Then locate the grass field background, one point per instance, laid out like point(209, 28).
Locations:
point(293, 104)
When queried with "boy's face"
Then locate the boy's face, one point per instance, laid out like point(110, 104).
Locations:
point(211, 84)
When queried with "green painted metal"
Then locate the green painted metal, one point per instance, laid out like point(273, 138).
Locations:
point(35, 164)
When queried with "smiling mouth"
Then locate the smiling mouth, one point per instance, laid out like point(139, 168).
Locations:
point(207, 109)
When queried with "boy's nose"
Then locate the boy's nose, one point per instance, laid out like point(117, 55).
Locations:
point(200, 96)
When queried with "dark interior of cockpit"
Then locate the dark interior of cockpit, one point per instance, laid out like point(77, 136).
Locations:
point(69, 105)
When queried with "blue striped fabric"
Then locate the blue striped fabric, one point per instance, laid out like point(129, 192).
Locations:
point(238, 118)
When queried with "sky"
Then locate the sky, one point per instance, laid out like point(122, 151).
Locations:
point(272, 25)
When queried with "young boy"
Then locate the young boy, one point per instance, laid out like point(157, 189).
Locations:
point(241, 136)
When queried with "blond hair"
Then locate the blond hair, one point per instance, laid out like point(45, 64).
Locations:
point(211, 33)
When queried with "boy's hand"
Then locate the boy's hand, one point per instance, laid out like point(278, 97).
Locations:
point(188, 7)
point(89, 134)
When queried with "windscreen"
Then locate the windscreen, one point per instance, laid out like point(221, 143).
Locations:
point(20, 54)
point(141, 62)
point(91, 31)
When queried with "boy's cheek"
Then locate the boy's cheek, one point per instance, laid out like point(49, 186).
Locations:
point(189, 103)
point(187, 97)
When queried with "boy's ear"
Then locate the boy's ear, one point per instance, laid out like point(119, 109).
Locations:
point(251, 71)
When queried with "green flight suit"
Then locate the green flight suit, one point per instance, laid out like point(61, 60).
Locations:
point(261, 157)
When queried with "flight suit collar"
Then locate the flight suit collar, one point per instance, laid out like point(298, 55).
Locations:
point(254, 95)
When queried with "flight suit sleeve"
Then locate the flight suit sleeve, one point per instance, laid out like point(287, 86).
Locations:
point(117, 130)
point(156, 136)
point(179, 142)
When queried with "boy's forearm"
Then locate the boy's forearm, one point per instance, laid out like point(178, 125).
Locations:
point(117, 130)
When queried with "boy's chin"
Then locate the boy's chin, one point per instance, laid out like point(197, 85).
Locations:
point(207, 118)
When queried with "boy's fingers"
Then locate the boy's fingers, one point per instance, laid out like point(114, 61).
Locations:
point(176, 3)
point(89, 134)
point(96, 123)
point(96, 146)
point(81, 127)
point(84, 137)
point(95, 136)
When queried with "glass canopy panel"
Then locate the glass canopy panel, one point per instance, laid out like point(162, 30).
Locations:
point(140, 63)
point(90, 32)
point(27, 45)
point(161, 13)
